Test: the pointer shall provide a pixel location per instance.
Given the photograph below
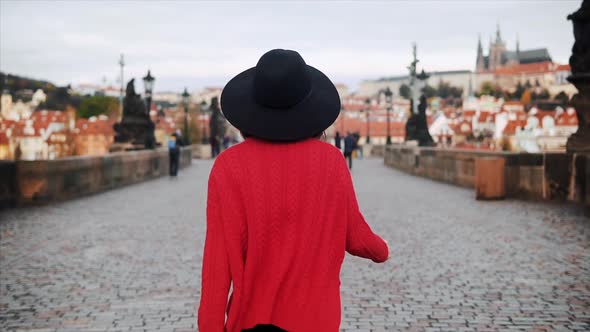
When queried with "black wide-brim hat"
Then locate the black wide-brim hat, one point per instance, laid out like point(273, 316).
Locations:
point(281, 99)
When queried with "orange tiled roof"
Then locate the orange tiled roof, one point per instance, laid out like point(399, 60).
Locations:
point(398, 128)
point(512, 125)
point(98, 127)
point(565, 67)
point(485, 117)
point(3, 138)
point(528, 68)
point(567, 119)
point(461, 127)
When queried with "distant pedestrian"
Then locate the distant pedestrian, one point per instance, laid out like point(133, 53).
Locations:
point(337, 140)
point(276, 232)
point(180, 139)
point(174, 144)
point(215, 146)
point(358, 147)
point(225, 142)
point(349, 146)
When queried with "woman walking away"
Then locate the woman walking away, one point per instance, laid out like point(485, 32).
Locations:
point(349, 147)
point(275, 230)
point(337, 141)
point(174, 144)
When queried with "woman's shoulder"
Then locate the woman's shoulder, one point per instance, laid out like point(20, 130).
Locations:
point(252, 146)
point(327, 148)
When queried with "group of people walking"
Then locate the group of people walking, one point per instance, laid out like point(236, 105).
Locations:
point(351, 144)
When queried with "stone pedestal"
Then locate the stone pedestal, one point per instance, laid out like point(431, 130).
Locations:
point(201, 151)
point(136, 129)
point(121, 147)
point(579, 61)
point(367, 148)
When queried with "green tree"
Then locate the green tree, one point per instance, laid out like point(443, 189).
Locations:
point(404, 91)
point(456, 92)
point(498, 92)
point(543, 95)
point(518, 91)
point(58, 99)
point(93, 106)
point(443, 89)
point(562, 97)
point(528, 84)
point(487, 89)
point(429, 91)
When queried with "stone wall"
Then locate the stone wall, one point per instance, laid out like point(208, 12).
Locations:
point(545, 176)
point(7, 183)
point(42, 181)
point(377, 150)
point(201, 151)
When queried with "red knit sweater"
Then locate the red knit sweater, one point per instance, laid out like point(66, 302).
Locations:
point(279, 218)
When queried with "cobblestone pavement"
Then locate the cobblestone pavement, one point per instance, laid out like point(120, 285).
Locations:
point(129, 260)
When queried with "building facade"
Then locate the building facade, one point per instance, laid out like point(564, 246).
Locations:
point(464, 79)
point(499, 56)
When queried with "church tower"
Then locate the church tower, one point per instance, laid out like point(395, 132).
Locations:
point(497, 50)
point(479, 63)
point(517, 49)
point(491, 56)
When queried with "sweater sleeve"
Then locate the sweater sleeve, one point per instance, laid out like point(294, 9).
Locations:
point(216, 276)
point(360, 239)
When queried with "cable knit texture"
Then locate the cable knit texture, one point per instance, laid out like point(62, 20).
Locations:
point(280, 217)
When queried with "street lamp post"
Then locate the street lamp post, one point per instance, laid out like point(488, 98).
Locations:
point(148, 83)
point(368, 103)
point(185, 101)
point(342, 120)
point(389, 101)
point(203, 125)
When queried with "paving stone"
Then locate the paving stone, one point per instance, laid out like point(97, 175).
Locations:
point(130, 260)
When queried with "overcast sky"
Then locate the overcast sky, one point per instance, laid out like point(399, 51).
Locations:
point(198, 44)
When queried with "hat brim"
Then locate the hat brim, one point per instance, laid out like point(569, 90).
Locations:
point(309, 117)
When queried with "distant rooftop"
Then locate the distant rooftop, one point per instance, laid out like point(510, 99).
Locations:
point(433, 73)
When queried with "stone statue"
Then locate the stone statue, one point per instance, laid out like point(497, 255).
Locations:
point(217, 127)
point(580, 58)
point(136, 129)
point(580, 65)
point(411, 124)
point(417, 126)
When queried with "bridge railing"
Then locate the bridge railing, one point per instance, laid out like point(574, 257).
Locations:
point(545, 176)
point(26, 182)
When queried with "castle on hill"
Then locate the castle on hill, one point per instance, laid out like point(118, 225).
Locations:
point(499, 56)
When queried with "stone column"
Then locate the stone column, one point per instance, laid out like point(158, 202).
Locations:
point(579, 142)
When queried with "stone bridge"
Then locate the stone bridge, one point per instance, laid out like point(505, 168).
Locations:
point(129, 260)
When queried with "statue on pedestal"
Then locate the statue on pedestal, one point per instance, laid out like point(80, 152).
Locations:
point(580, 65)
point(136, 129)
point(417, 126)
point(217, 127)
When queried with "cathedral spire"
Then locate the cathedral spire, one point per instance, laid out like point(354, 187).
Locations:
point(498, 36)
point(479, 64)
point(517, 48)
point(479, 48)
